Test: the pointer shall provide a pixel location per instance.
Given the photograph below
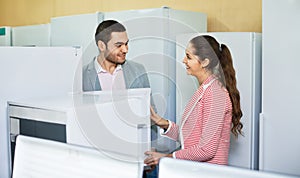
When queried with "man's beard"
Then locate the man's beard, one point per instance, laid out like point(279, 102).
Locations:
point(109, 58)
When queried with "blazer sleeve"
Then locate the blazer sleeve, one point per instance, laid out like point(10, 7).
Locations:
point(172, 132)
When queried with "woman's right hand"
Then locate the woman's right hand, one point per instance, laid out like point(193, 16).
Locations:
point(159, 121)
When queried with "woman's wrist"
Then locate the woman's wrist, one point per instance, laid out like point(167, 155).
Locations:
point(169, 155)
point(163, 123)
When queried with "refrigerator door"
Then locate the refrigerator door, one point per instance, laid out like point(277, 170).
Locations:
point(34, 72)
point(102, 120)
point(245, 49)
point(185, 168)
point(152, 42)
point(23, 35)
point(67, 160)
point(280, 119)
point(77, 30)
point(147, 33)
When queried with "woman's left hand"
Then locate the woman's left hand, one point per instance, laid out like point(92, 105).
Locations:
point(153, 158)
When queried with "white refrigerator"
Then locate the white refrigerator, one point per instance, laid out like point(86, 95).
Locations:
point(152, 42)
point(280, 118)
point(31, 35)
point(76, 30)
point(27, 72)
point(5, 36)
point(152, 34)
point(245, 49)
point(103, 120)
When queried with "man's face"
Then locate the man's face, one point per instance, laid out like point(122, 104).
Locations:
point(117, 48)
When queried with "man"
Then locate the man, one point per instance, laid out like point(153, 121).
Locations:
point(110, 70)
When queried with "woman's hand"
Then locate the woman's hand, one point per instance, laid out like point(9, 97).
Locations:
point(159, 121)
point(153, 158)
point(154, 117)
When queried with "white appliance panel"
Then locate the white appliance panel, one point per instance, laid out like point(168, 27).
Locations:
point(280, 118)
point(33, 72)
point(77, 30)
point(32, 35)
point(37, 158)
point(5, 36)
point(183, 168)
point(102, 120)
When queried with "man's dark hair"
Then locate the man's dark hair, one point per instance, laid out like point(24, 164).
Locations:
point(105, 28)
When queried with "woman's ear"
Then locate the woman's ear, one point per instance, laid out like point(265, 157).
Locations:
point(101, 45)
point(205, 63)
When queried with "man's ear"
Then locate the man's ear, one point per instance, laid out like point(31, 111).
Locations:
point(101, 45)
point(205, 63)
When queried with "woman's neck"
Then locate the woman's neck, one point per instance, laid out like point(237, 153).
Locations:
point(201, 78)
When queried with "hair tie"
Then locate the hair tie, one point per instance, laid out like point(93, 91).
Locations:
point(220, 48)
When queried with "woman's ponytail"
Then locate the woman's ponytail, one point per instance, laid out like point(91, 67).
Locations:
point(230, 83)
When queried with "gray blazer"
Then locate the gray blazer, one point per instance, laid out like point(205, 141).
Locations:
point(135, 76)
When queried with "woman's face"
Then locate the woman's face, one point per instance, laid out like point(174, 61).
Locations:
point(192, 62)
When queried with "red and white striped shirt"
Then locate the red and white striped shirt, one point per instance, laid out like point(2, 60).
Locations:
point(204, 132)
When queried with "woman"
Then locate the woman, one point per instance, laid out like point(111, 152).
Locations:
point(212, 112)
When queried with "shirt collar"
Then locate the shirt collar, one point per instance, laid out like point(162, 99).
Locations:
point(100, 69)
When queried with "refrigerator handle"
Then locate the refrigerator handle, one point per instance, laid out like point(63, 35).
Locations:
point(261, 141)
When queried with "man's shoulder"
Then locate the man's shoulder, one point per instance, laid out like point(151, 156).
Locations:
point(88, 66)
point(134, 64)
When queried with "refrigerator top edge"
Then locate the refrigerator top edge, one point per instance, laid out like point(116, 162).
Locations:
point(36, 25)
point(74, 15)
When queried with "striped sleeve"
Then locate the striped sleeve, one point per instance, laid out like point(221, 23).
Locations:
point(172, 132)
point(203, 145)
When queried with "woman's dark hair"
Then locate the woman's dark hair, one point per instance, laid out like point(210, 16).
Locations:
point(105, 28)
point(207, 47)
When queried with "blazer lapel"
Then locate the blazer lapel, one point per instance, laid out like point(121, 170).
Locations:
point(93, 77)
point(196, 98)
